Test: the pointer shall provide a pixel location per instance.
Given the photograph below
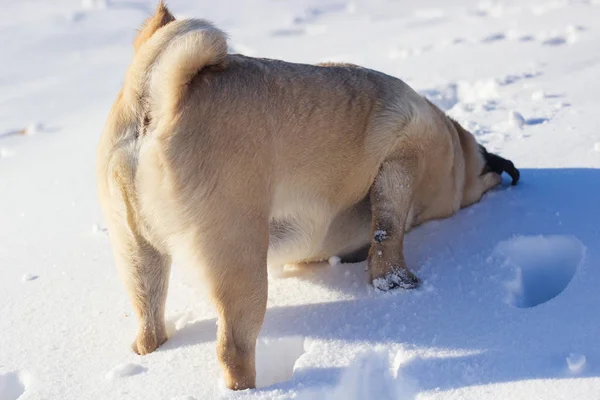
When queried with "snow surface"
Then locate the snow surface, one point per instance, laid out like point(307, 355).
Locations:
point(124, 370)
point(508, 307)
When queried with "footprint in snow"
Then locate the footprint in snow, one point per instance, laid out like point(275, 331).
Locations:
point(99, 230)
point(284, 32)
point(555, 41)
point(312, 14)
point(570, 35)
point(526, 38)
point(494, 37)
point(516, 120)
point(29, 277)
point(276, 358)
point(12, 385)
point(540, 95)
point(30, 130)
point(513, 78)
point(488, 9)
point(543, 265)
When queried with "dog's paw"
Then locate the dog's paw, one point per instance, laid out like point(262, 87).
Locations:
point(147, 342)
point(401, 278)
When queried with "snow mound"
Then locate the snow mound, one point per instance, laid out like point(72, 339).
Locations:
point(29, 277)
point(11, 386)
point(124, 370)
point(335, 260)
point(33, 129)
point(576, 362)
point(276, 358)
point(515, 119)
point(544, 267)
point(369, 376)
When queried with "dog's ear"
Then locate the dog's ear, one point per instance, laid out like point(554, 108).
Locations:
point(161, 17)
point(497, 164)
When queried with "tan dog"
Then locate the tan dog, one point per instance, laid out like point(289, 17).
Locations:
point(235, 163)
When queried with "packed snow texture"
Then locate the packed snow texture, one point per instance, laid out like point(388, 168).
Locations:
point(508, 304)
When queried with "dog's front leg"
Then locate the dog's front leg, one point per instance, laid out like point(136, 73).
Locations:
point(391, 198)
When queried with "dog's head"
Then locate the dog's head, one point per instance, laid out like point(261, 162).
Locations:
point(478, 161)
point(497, 164)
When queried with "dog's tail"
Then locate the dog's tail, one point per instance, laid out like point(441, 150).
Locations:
point(169, 54)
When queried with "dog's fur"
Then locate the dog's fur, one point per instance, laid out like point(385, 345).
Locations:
point(235, 163)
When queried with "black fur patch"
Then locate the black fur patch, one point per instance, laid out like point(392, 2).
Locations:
point(497, 164)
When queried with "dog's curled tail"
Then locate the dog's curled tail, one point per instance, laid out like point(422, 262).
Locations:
point(169, 53)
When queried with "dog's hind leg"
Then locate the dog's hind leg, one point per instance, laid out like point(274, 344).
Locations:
point(391, 200)
point(231, 249)
point(143, 268)
point(145, 272)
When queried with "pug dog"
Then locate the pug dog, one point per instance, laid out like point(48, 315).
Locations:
point(235, 163)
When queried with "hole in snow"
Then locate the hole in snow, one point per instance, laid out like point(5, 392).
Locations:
point(544, 266)
point(275, 359)
point(11, 386)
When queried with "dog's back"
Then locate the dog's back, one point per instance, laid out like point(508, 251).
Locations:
point(232, 122)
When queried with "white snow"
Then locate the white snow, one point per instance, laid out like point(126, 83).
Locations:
point(334, 260)
point(5, 153)
point(29, 277)
point(508, 304)
point(576, 362)
point(33, 129)
point(275, 359)
point(516, 119)
point(97, 229)
point(538, 95)
point(124, 370)
point(380, 235)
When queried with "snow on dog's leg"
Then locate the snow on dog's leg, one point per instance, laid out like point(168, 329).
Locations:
point(391, 199)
